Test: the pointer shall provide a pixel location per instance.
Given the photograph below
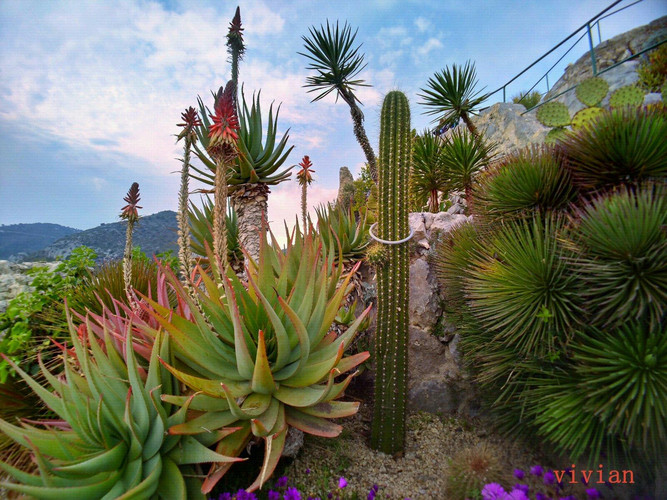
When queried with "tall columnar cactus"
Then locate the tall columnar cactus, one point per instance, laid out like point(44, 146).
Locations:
point(129, 213)
point(391, 341)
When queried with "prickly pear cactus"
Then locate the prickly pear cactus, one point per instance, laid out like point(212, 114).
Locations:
point(553, 114)
point(627, 96)
point(555, 135)
point(585, 117)
point(391, 338)
point(592, 90)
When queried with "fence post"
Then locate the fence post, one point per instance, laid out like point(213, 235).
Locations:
point(547, 75)
point(504, 95)
point(590, 43)
point(599, 35)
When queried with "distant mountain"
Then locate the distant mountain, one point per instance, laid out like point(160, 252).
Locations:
point(27, 238)
point(153, 233)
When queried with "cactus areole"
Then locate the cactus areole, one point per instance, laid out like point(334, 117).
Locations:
point(391, 339)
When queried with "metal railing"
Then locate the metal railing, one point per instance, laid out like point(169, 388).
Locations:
point(586, 29)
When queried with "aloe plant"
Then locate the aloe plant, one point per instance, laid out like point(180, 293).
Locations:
point(111, 440)
point(255, 169)
point(340, 232)
point(305, 177)
point(267, 361)
point(129, 213)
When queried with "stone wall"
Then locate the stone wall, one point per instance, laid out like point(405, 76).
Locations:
point(14, 280)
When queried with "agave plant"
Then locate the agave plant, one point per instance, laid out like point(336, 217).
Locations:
point(464, 156)
point(451, 95)
point(623, 256)
point(614, 399)
point(429, 176)
point(111, 440)
point(338, 228)
point(337, 64)
point(256, 168)
point(531, 180)
point(267, 361)
point(625, 146)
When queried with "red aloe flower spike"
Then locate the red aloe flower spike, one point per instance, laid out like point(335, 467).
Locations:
point(223, 131)
point(129, 212)
point(190, 120)
point(305, 174)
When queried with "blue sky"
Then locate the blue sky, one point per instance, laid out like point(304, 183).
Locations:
point(90, 91)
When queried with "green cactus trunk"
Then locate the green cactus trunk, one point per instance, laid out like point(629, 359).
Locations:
point(391, 338)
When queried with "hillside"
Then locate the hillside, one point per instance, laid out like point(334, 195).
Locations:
point(27, 238)
point(153, 233)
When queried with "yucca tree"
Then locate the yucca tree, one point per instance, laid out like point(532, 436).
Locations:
point(268, 360)
point(129, 213)
point(429, 177)
point(463, 157)
point(337, 64)
point(111, 439)
point(305, 177)
point(256, 168)
point(451, 95)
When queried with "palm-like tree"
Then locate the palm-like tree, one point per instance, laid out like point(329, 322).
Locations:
point(463, 157)
point(305, 177)
point(451, 95)
point(337, 64)
point(429, 176)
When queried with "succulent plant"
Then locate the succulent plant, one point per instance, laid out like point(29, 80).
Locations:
point(555, 135)
point(592, 90)
point(376, 254)
point(337, 64)
point(626, 146)
point(528, 181)
point(553, 114)
point(628, 96)
point(506, 283)
point(111, 440)
point(528, 99)
point(340, 232)
point(472, 468)
point(586, 117)
point(305, 177)
point(613, 400)
point(391, 337)
point(201, 227)
point(454, 255)
point(451, 95)
point(266, 361)
point(129, 213)
point(623, 256)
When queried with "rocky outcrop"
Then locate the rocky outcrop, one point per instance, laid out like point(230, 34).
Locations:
point(14, 279)
point(345, 187)
point(504, 125)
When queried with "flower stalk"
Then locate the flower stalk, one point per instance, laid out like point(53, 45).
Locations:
point(130, 213)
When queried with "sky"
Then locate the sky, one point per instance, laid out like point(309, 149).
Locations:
point(91, 91)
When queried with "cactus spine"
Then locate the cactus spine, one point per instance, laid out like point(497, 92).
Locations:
point(391, 339)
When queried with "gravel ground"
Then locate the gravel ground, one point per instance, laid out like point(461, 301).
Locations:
point(420, 474)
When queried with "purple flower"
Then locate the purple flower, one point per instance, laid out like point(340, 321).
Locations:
point(291, 493)
point(516, 495)
point(541, 496)
point(592, 493)
point(523, 487)
point(282, 482)
point(274, 495)
point(519, 474)
point(493, 491)
point(549, 477)
point(536, 470)
point(244, 495)
point(371, 495)
point(376, 488)
point(225, 496)
point(569, 497)
point(307, 471)
point(342, 482)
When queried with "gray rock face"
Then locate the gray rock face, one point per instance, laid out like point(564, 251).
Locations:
point(344, 179)
point(14, 280)
point(504, 125)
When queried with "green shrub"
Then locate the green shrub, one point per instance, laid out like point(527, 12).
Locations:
point(653, 71)
point(528, 99)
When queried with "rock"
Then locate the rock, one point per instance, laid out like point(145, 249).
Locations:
point(652, 98)
point(293, 442)
point(15, 280)
point(344, 179)
point(444, 222)
point(425, 303)
point(504, 124)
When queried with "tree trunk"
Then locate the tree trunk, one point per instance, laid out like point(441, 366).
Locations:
point(471, 127)
point(433, 204)
point(360, 134)
point(250, 203)
point(468, 195)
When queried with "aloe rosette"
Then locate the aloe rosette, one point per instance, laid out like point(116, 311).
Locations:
point(268, 360)
point(338, 227)
point(111, 440)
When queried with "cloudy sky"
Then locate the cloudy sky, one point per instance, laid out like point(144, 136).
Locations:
point(90, 91)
